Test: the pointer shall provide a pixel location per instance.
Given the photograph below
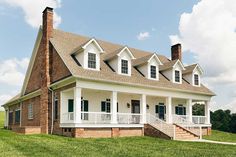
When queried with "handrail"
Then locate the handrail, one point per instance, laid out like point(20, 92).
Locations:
point(161, 125)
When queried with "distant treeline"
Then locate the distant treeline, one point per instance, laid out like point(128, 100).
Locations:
point(222, 120)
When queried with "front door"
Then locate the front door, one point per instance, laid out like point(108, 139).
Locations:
point(160, 111)
point(135, 109)
point(135, 106)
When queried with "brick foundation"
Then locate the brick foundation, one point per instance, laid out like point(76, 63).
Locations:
point(27, 130)
point(101, 132)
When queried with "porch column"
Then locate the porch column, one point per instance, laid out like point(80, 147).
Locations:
point(143, 109)
point(190, 110)
point(77, 105)
point(6, 118)
point(169, 110)
point(207, 112)
point(114, 106)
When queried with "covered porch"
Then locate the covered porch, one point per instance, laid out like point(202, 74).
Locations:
point(84, 107)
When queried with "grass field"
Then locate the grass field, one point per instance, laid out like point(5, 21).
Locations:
point(12, 144)
point(221, 136)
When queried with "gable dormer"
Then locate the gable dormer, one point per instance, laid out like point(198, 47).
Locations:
point(193, 74)
point(88, 55)
point(173, 70)
point(120, 61)
point(148, 66)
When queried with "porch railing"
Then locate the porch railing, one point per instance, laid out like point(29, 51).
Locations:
point(199, 119)
point(68, 117)
point(96, 117)
point(103, 118)
point(180, 119)
point(128, 118)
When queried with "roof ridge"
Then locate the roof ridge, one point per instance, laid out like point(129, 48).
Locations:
point(109, 42)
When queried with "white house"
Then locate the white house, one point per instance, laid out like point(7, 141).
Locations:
point(84, 87)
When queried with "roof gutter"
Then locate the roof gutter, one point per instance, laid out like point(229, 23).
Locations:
point(146, 86)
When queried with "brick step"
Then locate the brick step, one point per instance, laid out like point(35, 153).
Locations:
point(186, 136)
point(195, 138)
point(181, 133)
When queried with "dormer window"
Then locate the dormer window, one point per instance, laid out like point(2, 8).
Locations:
point(124, 66)
point(92, 60)
point(192, 74)
point(177, 76)
point(196, 80)
point(153, 72)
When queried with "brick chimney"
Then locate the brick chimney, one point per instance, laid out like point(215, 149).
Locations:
point(47, 29)
point(176, 52)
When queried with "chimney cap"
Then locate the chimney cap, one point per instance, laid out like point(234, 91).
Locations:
point(178, 44)
point(48, 9)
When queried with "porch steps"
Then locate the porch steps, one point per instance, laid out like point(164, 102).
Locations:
point(184, 134)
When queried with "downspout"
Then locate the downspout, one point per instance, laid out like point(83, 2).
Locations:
point(52, 109)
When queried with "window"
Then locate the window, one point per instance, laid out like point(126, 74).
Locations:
point(106, 107)
point(124, 66)
point(177, 76)
point(92, 60)
point(84, 108)
point(56, 108)
point(17, 116)
point(153, 71)
point(30, 111)
point(10, 117)
point(196, 79)
point(180, 110)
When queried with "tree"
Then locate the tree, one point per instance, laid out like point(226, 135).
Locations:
point(223, 120)
point(198, 109)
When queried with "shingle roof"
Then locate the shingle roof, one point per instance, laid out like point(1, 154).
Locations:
point(16, 97)
point(65, 42)
point(189, 69)
point(142, 60)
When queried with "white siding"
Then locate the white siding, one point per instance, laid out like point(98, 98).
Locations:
point(82, 57)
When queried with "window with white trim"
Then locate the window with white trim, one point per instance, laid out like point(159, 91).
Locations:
point(124, 66)
point(92, 60)
point(196, 79)
point(30, 111)
point(177, 76)
point(153, 71)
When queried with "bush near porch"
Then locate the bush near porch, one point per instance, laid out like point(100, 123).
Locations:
point(12, 144)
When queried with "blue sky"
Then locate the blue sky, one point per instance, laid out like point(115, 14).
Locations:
point(160, 24)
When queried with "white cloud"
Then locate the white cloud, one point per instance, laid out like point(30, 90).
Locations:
point(209, 33)
point(33, 10)
point(12, 71)
point(143, 35)
point(3, 99)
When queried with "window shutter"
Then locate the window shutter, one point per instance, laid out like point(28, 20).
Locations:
point(184, 110)
point(86, 105)
point(103, 106)
point(157, 109)
point(70, 105)
point(117, 106)
point(176, 110)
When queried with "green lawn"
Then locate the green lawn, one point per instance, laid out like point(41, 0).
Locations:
point(221, 136)
point(12, 144)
